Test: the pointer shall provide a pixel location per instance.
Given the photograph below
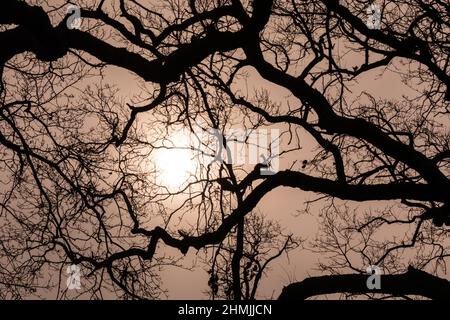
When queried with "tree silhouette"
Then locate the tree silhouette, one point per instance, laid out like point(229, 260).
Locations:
point(76, 185)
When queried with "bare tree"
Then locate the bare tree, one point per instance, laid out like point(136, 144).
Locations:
point(262, 243)
point(77, 188)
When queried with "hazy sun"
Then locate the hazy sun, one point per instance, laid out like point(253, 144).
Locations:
point(175, 165)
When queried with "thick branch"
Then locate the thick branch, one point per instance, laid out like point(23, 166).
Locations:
point(413, 282)
point(356, 127)
point(36, 34)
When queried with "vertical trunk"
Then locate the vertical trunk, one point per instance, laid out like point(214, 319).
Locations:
point(236, 262)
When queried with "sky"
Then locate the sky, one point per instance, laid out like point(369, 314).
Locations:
point(284, 205)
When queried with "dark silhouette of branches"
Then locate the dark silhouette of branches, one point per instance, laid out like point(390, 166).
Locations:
point(413, 282)
point(78, 184)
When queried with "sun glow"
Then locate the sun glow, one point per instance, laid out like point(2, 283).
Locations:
point(175, 164)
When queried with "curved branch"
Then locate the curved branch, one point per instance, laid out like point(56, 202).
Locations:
point(412, 282)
